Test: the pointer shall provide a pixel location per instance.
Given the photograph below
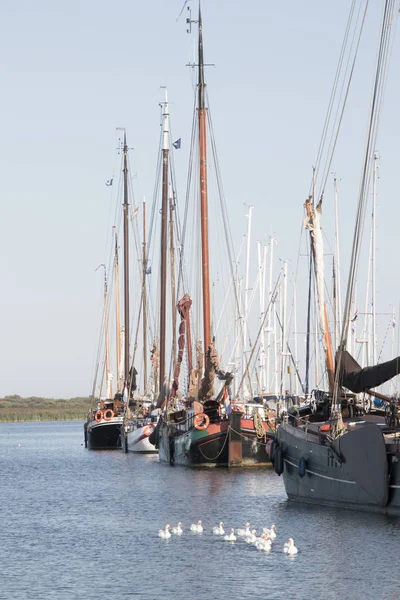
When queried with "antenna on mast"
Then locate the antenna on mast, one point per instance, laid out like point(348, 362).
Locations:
point(189, 19)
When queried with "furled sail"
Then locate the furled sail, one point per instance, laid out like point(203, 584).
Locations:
point(356, 379)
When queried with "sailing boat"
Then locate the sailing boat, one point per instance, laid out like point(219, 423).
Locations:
point(203, 429)
point(106, 427)
point(138, 422)
point(102, 429)
point(325, 456)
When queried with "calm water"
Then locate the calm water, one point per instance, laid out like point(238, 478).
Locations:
point(82, 524)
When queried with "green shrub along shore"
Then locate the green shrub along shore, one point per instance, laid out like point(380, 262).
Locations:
point(15, 409)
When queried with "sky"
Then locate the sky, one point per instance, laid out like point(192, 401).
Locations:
point(73, 72)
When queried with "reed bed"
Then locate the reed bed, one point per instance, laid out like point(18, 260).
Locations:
point(15, 409)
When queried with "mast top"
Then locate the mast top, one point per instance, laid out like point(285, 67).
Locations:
point(201, 63)
point(165, 125)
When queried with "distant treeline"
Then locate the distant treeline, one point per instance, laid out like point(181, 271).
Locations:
point(15, 408)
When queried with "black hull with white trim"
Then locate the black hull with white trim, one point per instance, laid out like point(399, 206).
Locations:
point(105, 435)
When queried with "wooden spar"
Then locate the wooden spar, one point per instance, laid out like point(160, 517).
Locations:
point(172, 261)
point(202, 115)
point(313, 224)
point(334, 302)
point(378, 395)
point(118, 313)
point(144, 298)
point(126, 266)
point(107, 342)
point(308, 333)
point(164, 232)
point(329, 354)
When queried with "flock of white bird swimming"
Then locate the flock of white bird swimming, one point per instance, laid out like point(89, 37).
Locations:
point(262, 542)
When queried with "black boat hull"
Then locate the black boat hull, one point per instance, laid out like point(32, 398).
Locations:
point(103, 436)
point(357, 471)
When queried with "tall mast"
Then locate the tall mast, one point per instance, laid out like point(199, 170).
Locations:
point(107, 342)
point(295, 339)
point(338, 315)
point(172, 261)
point(271, 257)
point(144, 296)
point(261, 267)
point(118, 313)
point(126, 266)
point(202, 114)
point(246, 288)
point(164, 233)
point(373, 299)
point(313, 224)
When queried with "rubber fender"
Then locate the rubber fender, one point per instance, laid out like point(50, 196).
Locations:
point(171, 451)
point(302, 467)
point(272, 450)
point(278, 460)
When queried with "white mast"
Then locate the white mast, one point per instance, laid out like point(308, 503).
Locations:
point(295, 338)
point(246, 287)
point(261, 267)
point(272, 308)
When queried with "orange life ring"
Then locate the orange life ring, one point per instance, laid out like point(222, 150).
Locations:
point(98, 416)
point(148, 429)
point(108, 414)
point(201, 421)
point(326, 427)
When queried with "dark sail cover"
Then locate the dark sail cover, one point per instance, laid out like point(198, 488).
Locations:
point(357, 379)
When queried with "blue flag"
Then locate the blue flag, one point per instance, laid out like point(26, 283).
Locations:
point(148, 271)
point(109, 182)
point(177, 144)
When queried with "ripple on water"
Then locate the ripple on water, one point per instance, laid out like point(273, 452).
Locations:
point(80, 524)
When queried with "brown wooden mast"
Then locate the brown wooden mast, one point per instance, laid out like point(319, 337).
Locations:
point(311, 211)
point(107, 342)
point(126, 266)
point(172, 261)
point(202, 114)
point(164, 233)
point(118, 314)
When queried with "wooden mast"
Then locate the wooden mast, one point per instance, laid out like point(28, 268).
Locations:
point(202, 114)
point(107, 343)
point(144, 296)
point(126, 267)
point(312, 223)
point(172, 261)
point(118, 313)
point(164, 233)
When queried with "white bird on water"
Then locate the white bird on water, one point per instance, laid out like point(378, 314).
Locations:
point(244, 532)
point(164, 533)
point(231, 537)
point(290, 548)
point(252, 538)
point(271, 532)
point(263, 543)
point(197, 528)
point(219, 530)
point(178, 530)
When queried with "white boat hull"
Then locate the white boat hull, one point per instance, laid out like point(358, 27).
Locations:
point(138, 439)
